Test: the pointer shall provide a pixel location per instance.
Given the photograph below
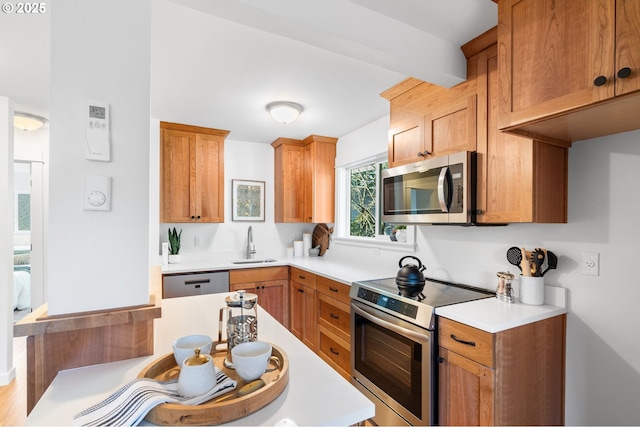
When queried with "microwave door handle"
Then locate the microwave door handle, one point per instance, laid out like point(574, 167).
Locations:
point(442, 179)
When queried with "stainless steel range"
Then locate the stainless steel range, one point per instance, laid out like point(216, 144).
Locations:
point(393, 349)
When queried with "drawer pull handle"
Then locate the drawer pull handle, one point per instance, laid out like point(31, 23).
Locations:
point(441, 359)
point(334, 316)
point(337, 353)
point(302, 277)
point(332, 289)
point(301, 291)
point(471, 343)
point(196, 282)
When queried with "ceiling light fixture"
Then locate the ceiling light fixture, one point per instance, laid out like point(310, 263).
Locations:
point(26, 121)
point(284, 112)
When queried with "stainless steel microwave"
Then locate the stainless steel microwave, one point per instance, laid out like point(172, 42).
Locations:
point(440, 190)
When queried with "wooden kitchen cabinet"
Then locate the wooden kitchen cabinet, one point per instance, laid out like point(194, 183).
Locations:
point(569, 70)
point(334, 324)
point(304, 179)
point(302, 306)
point(518, 179)
point(191, 173)
point(428, 120)
point(271, 286)
point(512, 377)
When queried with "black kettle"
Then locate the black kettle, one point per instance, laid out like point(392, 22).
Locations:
point(410, 279)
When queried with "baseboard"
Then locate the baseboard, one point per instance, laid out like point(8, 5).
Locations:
point(7, 377)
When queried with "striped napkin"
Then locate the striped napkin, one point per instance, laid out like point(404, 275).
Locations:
point(130, 404)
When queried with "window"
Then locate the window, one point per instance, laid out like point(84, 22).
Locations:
point(364, 190)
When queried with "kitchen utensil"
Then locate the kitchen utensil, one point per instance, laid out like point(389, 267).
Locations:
point(537, 258)
point(525, 263)
point(248, 388)
point(410, 279)
point(250, 359)
point(514, 256)
point(242, 321)
point(184, 347)
point(197, 375)
point(320, 236)
point(552, 262)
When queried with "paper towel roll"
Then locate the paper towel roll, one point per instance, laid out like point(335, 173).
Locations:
point(306, 243)
point(298, 246)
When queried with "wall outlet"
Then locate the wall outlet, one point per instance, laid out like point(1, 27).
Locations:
point(591, 263)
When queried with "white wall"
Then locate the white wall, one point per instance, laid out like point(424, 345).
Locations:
point(99, 260)
point(603, 348)
point(7, 371)
point(244, 161)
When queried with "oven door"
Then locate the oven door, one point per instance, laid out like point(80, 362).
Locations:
point(392, 360)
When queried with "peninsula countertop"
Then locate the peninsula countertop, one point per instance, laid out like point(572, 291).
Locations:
point(315, 395)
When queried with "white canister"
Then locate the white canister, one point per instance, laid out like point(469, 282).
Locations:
point(298, 247)
point(306, 243)
point(532, 290)
point(289, 251)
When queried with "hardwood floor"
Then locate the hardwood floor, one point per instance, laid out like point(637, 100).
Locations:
point(13, 397)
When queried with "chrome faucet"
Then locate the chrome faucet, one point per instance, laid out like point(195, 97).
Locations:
point(251, 248)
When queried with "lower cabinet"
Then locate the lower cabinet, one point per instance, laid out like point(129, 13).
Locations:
point(334, 325)
point(302, 307)
point(513, 377)
point(271, 286)
point(319, 316)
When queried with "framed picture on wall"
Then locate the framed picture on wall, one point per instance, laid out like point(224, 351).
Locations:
point(247, 200)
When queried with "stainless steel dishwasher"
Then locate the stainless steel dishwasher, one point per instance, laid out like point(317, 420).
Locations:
point(189, 284)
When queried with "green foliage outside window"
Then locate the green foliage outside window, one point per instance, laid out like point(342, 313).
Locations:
point(365, 193)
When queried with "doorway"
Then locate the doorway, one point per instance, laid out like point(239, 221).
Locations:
point(28, 237)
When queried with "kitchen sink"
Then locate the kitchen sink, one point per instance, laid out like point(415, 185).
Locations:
point(254, 261)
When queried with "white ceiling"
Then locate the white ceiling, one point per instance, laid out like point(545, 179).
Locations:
point(218, 63)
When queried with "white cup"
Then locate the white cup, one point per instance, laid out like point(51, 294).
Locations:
point(250, 359)
point(196, 380)
point(185, 347)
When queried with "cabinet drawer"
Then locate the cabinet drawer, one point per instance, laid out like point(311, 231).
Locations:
point(334, 316)
point(467, 341)
point(334, 289)
point(334, 351)
point(182, 285)
point(304, 277)
point(263, 274)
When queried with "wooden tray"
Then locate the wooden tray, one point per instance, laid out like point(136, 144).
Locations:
point(214, 412)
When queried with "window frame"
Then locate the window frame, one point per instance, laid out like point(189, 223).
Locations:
point(343, 204)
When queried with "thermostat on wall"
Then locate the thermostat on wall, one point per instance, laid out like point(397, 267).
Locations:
point(97, 131)
point(97, 193)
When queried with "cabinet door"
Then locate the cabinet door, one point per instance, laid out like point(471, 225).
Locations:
point(465, 391)
point(208, 188)
point(177, 201)
point(519, 180)
point(289, 183)
point(551, 53)
point(451, 126)
point(319, 200)
point(302, 313)
point(406, 143)
point(627, 45)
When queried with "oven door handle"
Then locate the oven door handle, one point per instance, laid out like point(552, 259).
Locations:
point(375, 318)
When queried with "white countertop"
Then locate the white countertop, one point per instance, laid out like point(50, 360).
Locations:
point(493, 316)
point(315, 395)
point(489, 314)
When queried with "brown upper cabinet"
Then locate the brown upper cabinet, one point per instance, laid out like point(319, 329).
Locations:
point(191, 173)
point(428, 120)
point(518, 179)
point(569, 70)
point(304, 179)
